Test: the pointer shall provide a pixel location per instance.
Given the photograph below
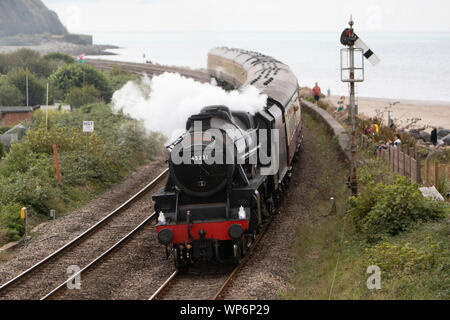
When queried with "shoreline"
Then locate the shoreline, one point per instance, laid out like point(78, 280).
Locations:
point(63, 47)
point(430, 113)
point(404, 101)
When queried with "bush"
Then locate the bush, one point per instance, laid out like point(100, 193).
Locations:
point(11, 221)
point(34, 186)
point(36, 87)
point(10, 94)
point(2, 151)
point(28, 59)
point(27, 173)
point(392, 208)
point(57, 56)
point(77, 75)
point(403, 259)
point(375, 170)
point(78, 97)
point(118, 77)
point(3, 129)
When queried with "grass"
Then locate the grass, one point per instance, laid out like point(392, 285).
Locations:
point(320, 103)
point(317, 242)
point(329, 254)
point(4, 256)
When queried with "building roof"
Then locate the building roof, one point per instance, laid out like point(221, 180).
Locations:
point(16, 109)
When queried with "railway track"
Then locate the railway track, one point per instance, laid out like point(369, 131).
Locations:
point(63, 292)
point(150, 69)
point(203, 286)
point(42, 278)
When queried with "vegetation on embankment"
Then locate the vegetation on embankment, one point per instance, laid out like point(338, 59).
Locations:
point(28, 176)
point(27, 173)
point(70, 82)
point(390, 225)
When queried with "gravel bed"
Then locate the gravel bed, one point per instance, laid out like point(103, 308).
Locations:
point(270, 267)
point(139, 271)
point(133, 271)
point(55, 235)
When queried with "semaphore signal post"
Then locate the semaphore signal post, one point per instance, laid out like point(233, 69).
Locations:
point(352, 71)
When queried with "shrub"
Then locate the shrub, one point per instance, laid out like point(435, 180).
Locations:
point(375, 170)
point(28, 59)
point(11, 221)
point(27, 173)
point(77, 75)
point(2, 151)
point(118, 77)
point(10, 94)
point(3, 129)
point(392, 208)
point(33, 187)
point(59, 57)
point(405, 258)
point(36, 87)
point(78, 97)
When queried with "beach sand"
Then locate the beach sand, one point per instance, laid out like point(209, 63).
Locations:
point(431, 113)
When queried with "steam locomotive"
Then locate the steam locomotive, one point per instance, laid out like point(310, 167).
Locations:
point(229, 171)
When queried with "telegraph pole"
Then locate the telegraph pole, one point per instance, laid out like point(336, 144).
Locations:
point(46, 111)
point(26, 84)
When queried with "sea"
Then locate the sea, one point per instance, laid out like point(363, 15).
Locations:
point(413, 66)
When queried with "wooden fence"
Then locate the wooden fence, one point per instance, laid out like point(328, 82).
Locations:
point(403, 160)
point(433, 172)
point(408, 162)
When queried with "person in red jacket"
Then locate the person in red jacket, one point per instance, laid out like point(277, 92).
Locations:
point(316, 93)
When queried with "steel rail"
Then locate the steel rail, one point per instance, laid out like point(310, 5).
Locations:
point(242, 263)
point(83, 235)
point(164, 286)
point(139, 68)
point(100, 258)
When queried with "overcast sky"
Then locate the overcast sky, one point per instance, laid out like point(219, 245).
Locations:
point(251, 15)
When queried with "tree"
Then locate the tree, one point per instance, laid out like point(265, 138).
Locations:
point(78, 97)
point(72, 75)
point(9, 94)
point(59, 57)
point(28, 59)
point(36, 87)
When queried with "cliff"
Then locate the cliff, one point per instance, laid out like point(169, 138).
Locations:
point(28, 17)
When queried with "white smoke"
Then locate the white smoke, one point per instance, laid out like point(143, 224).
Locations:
point(166, 101)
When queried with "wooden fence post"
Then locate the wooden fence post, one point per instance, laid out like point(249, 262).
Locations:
point(418, 166)
point(393, 159)
point(398, 158)
point(436, 174)
point(411, 155)
point(405, 149)
point(427, 172)
point(389, 156)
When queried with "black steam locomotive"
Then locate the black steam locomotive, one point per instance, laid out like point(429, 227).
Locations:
point(230, 169)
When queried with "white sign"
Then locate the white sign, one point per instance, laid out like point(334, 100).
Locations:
point(88, 126)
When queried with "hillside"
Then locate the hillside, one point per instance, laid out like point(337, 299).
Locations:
point(28, 17)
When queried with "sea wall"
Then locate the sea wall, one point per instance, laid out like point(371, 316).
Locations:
point(338, 132)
